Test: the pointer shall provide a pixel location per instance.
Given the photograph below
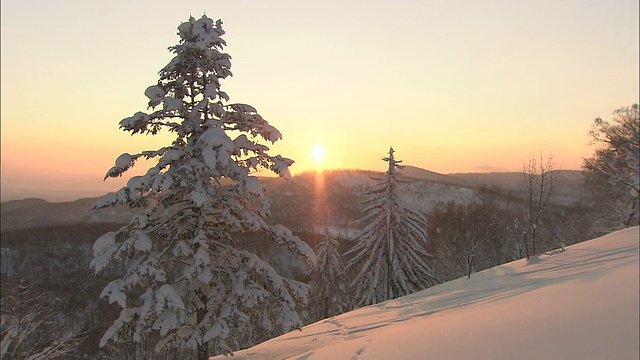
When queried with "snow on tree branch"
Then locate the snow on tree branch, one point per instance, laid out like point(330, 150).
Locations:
point(390, 254)
point(185, 283)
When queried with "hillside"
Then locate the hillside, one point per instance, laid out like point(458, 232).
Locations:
point(308, 202)
point(31, 213)
point(413, 172)
point(54, 240)
point(578, 304)
point(333, 195)
point(570, 187)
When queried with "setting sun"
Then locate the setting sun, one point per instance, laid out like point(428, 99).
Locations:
point(334, 116)
point(318, 153)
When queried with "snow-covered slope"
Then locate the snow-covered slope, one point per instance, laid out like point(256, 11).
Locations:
point(578, 304)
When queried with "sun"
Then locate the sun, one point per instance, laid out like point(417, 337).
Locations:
point(318, 153)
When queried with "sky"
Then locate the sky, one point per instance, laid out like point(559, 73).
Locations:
point(581, 303)
point(454, 86)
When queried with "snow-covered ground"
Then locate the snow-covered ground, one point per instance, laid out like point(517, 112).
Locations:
point(578, 304)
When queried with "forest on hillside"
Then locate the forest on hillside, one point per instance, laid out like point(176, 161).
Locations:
point(469, 229)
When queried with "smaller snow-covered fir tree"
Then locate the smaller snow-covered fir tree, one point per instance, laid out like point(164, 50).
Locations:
point(328, 281)
point(186, 283)
point(390, 251)
point(32, 324)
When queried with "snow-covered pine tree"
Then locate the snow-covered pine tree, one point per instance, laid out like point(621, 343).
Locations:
point(32, 325)
point(390, 251)
point(186, 282)
point(328, 281)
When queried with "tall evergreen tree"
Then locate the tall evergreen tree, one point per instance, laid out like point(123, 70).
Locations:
point(186, 283)
point(390, 253)
point(328, 281)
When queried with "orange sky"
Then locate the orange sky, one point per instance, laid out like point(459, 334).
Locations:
point(453, 86)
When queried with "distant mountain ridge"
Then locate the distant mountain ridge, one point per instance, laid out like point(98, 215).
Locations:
point(17, 214)
point(570, 187)
point(422, 174)
point(570, 182)
point(35, 212)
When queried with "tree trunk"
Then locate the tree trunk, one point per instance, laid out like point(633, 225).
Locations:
point(203, 352)
point(533, 240)
point(203, 349)
point(525, 243)
point(326, 307)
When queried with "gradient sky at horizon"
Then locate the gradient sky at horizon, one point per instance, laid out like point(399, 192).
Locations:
point(453, 86)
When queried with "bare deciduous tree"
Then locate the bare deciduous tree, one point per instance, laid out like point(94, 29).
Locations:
point(612, 172)
point(470, 237)
point(538, 184)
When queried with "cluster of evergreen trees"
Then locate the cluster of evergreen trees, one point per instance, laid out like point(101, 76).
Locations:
point(187, 284)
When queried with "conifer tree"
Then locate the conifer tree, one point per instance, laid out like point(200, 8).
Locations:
point(328, 294)
point(390, 251)
point(32, 326)
point(186, 283)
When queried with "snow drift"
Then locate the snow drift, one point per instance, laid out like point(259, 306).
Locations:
point(578, 304)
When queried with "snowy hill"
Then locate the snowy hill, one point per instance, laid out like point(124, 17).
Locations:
point(570, 186)
point(33, 213)
point(427, 175)
point(290, 202)
point(578, 304)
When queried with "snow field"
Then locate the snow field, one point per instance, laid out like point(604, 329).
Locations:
point(578, 304)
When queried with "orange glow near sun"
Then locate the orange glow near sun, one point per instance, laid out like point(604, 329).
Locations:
point(319, 153)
